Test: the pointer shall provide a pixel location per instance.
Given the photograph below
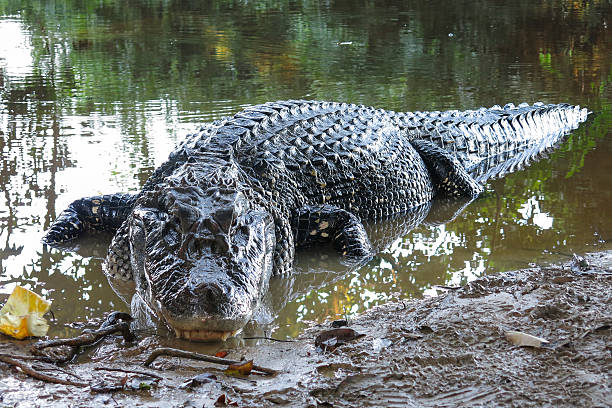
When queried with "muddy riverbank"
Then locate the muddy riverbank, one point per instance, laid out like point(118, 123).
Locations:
point(447, 350)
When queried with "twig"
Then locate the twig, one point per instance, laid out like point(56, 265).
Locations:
point(268, 338)
point(85, 339)
point(166, 351)
point(55, 368)
point(26, 369)
point(35, 358)
point(130, 372)
point(603, 326)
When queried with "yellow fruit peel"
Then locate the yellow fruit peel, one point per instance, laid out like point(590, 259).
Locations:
point(22, 314)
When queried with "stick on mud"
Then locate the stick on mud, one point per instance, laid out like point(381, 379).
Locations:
point(157, 377)
point(166, 351)
point(26, 369)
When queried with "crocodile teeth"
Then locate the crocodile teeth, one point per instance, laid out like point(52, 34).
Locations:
point(203, 335)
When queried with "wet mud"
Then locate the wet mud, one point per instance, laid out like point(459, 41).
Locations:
point(448, 350)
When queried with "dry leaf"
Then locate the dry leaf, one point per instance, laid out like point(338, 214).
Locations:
point(240, 369)
point(523, 339)
point(22, 314)
point(223, 401)
point(221, 354)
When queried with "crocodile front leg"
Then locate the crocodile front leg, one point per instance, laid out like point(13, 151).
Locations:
point(450, 178)
point(325, 223)
point(100, 213)
point(118, 267)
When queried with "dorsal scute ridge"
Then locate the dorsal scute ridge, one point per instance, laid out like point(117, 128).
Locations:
point(283, 129)
point(530, 135)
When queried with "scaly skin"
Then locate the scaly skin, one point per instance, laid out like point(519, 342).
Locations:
point(232, 203)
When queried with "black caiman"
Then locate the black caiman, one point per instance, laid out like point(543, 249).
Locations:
point(227, 210)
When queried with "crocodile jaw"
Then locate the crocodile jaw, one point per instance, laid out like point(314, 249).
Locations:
point(204, 335)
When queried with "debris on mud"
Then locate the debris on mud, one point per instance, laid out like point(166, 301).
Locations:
point(240, 369)
point(22, 314)
point(223, 401)
point(199, 380)
point(339, 323)
point(447, 350)
point(523, 339)
point(328, 340)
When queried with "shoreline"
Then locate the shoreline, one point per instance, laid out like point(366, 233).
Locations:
point(446, 350)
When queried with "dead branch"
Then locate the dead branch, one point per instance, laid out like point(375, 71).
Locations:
point(166, 351)
point(26, 369)
point(87, 338)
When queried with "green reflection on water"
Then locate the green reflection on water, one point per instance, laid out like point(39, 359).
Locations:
point(93, 95)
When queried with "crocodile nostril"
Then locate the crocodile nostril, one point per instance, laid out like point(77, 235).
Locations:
point(209, 296)
point(208, 290)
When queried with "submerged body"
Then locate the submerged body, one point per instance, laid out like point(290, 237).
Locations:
point(232, 203)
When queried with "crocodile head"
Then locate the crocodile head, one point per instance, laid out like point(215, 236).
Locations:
point(201, 257)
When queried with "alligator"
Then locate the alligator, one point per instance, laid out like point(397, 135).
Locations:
point(227, 210)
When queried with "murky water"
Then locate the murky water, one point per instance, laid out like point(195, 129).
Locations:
point(94, 96)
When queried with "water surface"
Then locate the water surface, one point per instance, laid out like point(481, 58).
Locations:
point(94, 95)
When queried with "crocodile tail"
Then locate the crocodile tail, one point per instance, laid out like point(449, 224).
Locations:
point(495, 141)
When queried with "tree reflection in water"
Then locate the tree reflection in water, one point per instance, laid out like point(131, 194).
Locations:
point(93, 95)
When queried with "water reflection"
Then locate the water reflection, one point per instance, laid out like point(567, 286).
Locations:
point(94, 95)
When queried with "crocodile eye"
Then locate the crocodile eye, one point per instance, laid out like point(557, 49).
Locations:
point(241, 235)
point(219, 245)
